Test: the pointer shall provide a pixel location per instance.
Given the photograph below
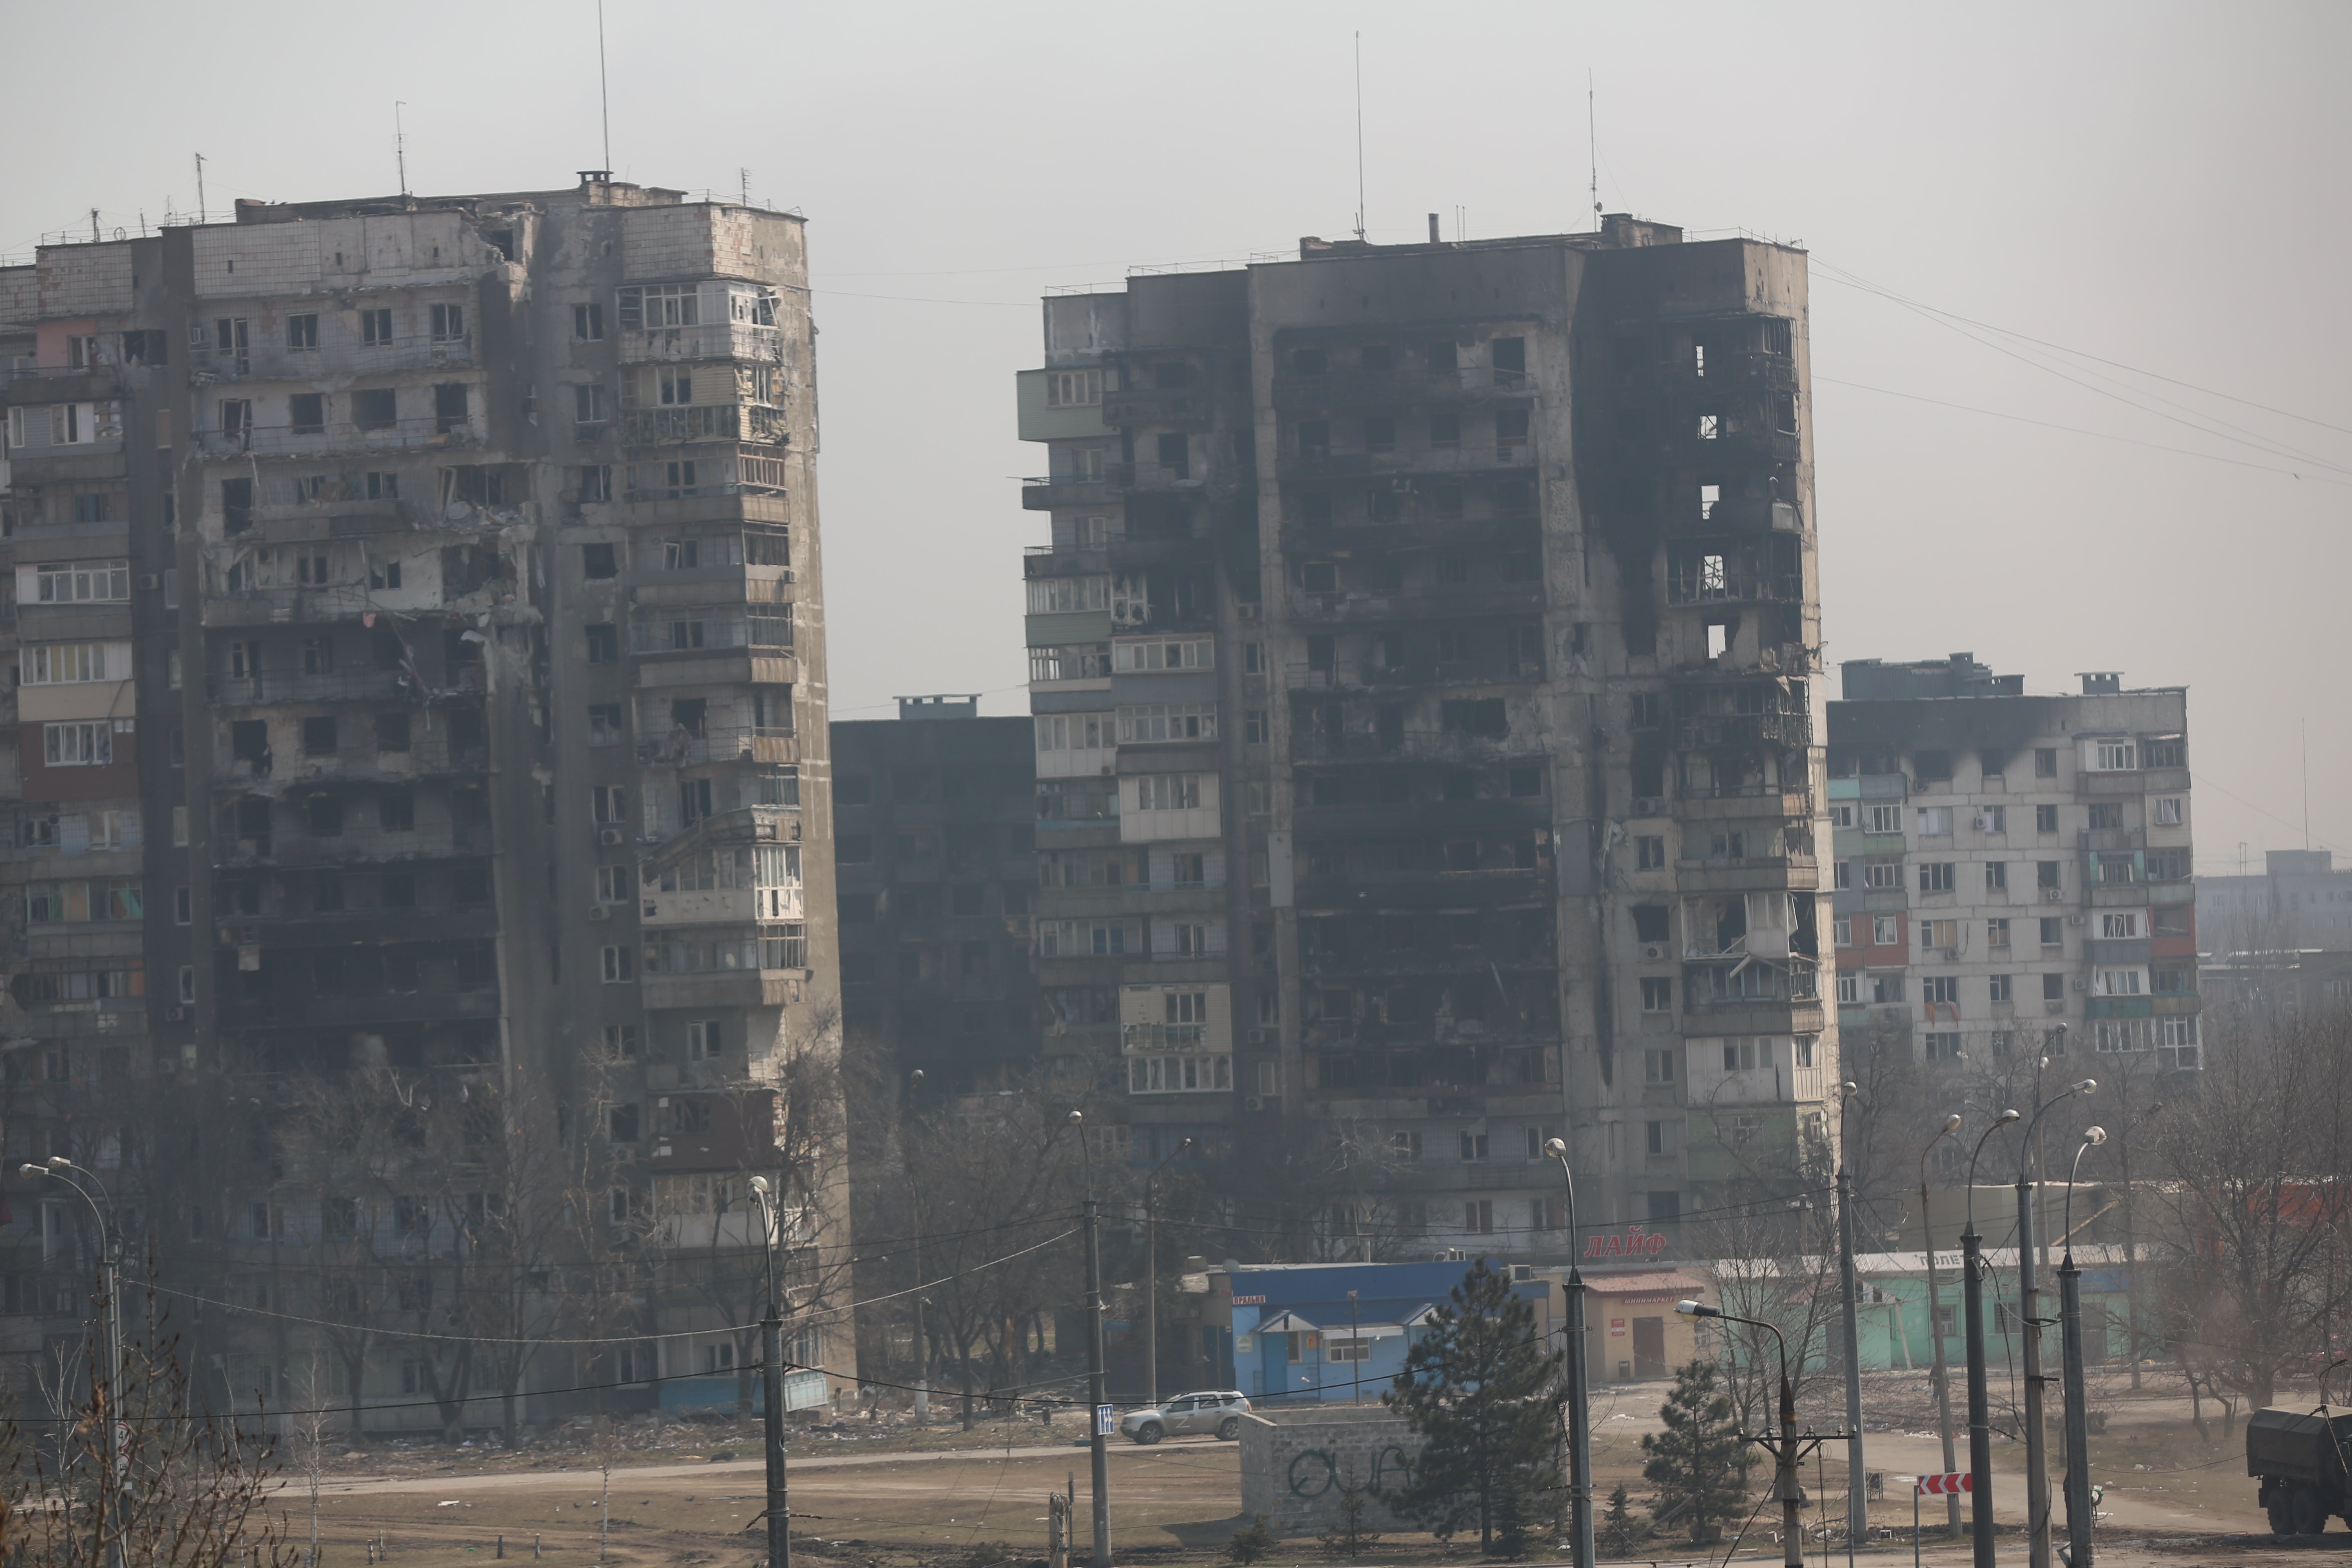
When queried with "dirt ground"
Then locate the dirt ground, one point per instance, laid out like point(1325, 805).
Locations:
point(885, 1496)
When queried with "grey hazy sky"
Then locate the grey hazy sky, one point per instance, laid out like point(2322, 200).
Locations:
point(2158, 184)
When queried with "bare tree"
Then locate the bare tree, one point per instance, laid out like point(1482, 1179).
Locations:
point(2255, 1212)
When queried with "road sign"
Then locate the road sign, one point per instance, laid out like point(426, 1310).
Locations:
point(1937, 1486)
point(1106, 1421)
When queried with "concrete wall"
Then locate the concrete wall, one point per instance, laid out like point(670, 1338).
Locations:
point(1294, 1466)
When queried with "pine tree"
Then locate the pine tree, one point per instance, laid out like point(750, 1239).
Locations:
point(1481, 1393)
point(1618, 1531)
point(1699, 1463)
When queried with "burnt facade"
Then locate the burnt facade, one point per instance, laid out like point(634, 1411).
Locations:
point(425, 593)
point(1425, 667)
point(936, 868)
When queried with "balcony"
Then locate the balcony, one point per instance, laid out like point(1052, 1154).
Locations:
point(1427, 531)
point(1178, 407)
point(271, 362)
point(1300, 677)
point(765, 744)
point(64, 384)
point(1421, 818)
point(358, 1012)
point(303, 521)
point(751, 422)
point(428, 433)
point(1320, 463)
point(353, 928)
point(361, 685)
point(713, 586)
point(1412, 746)
point(1425, 889)
point(707, 339)
point(1048, 491)
point(749, 666)
point(1468, 602)
point(1344, 390)
point(1752, 873)
point(721, 988)
point(703, 503)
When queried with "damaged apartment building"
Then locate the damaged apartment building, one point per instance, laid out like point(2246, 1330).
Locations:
point(420, 705)
point(2014, 873)
point(1425, 673)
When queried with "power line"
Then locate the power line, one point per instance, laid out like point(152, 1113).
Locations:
point(2078, 430)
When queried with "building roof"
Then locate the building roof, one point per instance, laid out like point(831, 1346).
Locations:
point(1671, 1282)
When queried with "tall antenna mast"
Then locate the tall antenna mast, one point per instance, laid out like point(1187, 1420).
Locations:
point(2307, 784)
point(1592, 145)
point(745, 176)
point(604, 89)
point(400, 143)
point(201, 216)
point(1360, 138)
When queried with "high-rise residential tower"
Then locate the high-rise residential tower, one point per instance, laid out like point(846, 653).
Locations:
point(1425, 666)
point(419, 612)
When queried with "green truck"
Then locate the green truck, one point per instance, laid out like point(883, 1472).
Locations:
point(2300, 1459)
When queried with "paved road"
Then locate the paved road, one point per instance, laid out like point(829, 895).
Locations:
point(2131, 1501)
point(507, 1480)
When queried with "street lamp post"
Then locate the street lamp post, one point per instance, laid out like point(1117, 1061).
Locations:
point(2079, 1517)
point(1097, 1423)
point(771, 1390)
point(1786, 1484)
point(1936, 1328)
point(1579, 1399)
point(1980, 1400)
point(110, 1350)
point(922, 1344)
point(1152, 1280)
point(2037, 1472)
point(1857, 1500)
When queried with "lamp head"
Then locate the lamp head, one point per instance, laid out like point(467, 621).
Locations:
point(2094, 1135)
point(2088, 1085)
point(1184, 1145)
point(1556, 1147)
point(1075, 1118)
point(60, 1164)
point(1952, 1122)
point(915, 1079)
point(2005, 1118)
point(1697, 1310)
point(1848, 1090)
point(29, 1169)
point(759, 1185)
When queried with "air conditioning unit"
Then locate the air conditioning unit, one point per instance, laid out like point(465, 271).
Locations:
point(610, 837)
point(2081, 984)
point(1653, 951)
point(1248, 609)
point(599, 912)
point(1257, 1037)
point(1522, 1272)
point(2073, 919)
point(151, 580)
point(174, 1014)
point(1253, 1103)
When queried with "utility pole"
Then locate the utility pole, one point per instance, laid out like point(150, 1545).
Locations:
point(1980, 1399)
point(1936, 1334)
point(2037, 1436)
point(771, 1354)
point(1151, 1279)
point(1099, 1415)
point(2077, 1481)
point(1857, 1498)
point(1787, 1449)
point(1580, 1390)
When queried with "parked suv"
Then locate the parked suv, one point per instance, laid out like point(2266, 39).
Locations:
point(1218, 1410)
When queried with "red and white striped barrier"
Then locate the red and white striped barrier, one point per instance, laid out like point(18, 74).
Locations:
point(1938, 1485)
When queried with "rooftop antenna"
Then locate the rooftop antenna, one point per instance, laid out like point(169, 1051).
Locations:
point(400, 145)
point(1360, 138)
point(1592, 145)
point(604, 89)
point(2307, 784)
point(2306, 811)
point(201, 215)
point(745, 176)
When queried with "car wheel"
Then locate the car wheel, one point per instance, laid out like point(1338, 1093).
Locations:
point(2281, 1508)
point(1150, 1432)
point(1229, 1429)
point(2310, 1511)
